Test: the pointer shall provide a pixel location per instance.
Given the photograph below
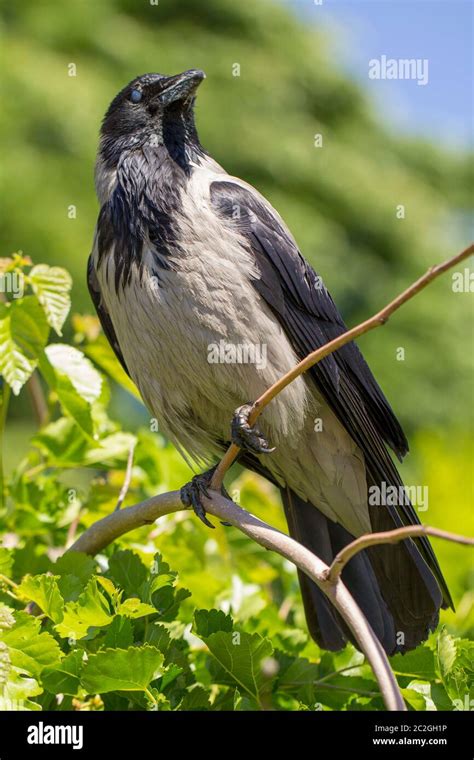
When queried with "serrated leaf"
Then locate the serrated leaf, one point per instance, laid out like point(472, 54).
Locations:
point(17, 691)
point(119, 634)
point(419, 663)
point(131, 669)
point(446, 652)
point(75, 563)
point(197, 698)
point(414, 699)
point(52, 287)
point(128, 571)
point(72, 403)
point(44, 591)
point(134, 608)
point(74, 570)
point(211, 621)
point(90, 611)
point(241, 658)
point(69, 361)
point(158, 635)
point(64, 679)
point(456, 666)
point(24, 332)
point(30, 650)
point(299, 672)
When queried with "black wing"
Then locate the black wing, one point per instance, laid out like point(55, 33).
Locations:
point(310, 319)
point(102, 313)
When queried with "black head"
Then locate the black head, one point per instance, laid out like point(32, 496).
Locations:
point(155, 110)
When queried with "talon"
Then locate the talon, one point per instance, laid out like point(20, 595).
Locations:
point(192, 493)
point(246, 436)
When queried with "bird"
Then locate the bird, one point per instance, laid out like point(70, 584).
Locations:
point(188, 261)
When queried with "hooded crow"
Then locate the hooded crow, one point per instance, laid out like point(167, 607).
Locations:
point(206, 300)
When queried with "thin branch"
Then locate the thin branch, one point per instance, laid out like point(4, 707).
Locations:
point(388, 537)
point(128, 477)
point(103, 532)
point(38, 400)
point(320, 353)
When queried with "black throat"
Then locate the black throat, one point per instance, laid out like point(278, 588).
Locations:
point(146, 203)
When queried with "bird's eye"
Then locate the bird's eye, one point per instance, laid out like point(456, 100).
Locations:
point(136, 96)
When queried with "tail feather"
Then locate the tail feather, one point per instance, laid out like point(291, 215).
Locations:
point(392, 584)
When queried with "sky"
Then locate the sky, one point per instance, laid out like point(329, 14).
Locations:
point(439, 31)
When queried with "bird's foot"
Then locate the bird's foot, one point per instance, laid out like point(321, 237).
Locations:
point(192, 493)
point(247, 436)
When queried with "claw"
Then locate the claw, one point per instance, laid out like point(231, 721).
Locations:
point(247, 436)
point(192, 493)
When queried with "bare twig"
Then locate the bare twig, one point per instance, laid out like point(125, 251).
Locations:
point(38, 400)
point(388, 537)
point(128, 477)
point(320, 353)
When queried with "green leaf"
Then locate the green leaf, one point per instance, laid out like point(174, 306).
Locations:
point(30, 650)
point(24, 332)
point(76, 382)
point(299, 672)
point(414, 699)
point(75, 569)
point(17, 690)
point(90, 610)
point(128, 571)
point(69, 361)
point(197, 698)
point(65, 678)
point(6, 562)
point(170, 674)
point(119, 634)
point(211, 621)
point(44, 591)
point(131, 669)
point(134, 608)
point(440, 697)
point(241, 657)
point(158, 635)
point(76, 563)
point(419, 663)
point(52, 286)
point(456, 666)
point(446, 652)
point(111, 449)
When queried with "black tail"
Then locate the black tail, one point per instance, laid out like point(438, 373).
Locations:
point(392, 583)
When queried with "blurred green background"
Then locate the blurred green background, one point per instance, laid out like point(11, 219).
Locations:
point(340, 200)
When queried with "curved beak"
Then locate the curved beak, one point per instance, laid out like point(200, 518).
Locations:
point(181, 86)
